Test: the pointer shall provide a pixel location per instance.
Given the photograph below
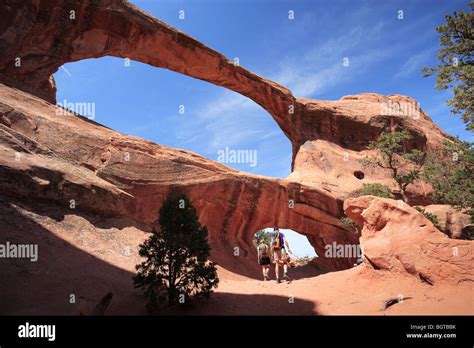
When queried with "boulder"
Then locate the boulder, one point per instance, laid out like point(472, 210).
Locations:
point(397, 238)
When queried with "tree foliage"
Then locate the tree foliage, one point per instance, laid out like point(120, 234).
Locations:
point(405, 166)
point(176, 267)
point(349, 223)
point(450, 170)
point(262, 235)
point(374, 189)
point(456, 67)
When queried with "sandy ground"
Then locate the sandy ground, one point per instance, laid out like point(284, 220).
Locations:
point(358, 291)
point(88, 258)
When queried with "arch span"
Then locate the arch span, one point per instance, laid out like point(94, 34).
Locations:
point(118, 28)
point(37, 37)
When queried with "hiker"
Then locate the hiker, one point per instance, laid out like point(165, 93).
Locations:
point(279, 245)
point(263, 259)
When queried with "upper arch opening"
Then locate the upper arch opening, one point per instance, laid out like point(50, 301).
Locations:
point(178, 111)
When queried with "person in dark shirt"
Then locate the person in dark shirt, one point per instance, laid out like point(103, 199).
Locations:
point(264, 259)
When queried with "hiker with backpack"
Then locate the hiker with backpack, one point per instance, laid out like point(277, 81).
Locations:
point(279, 247)
point(263, 258)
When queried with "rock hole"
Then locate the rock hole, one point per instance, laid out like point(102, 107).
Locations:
point(358, 174)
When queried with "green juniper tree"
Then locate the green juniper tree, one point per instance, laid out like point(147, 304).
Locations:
point(176, 267)
point(456, 67)
point(450, 170)
point(405, 166)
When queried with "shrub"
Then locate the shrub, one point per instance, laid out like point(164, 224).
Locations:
point(378, 190)
point(349, 223)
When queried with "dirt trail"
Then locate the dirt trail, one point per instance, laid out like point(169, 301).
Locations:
point(89, 259)
point(357, 291)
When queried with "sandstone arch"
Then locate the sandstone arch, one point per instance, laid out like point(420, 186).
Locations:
point(85, 162)
point(42, 36)
point(48, 39)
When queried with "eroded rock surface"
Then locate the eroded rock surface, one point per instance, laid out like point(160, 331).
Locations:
point(43, 37)
point(65, 158)
point(396, 237)
point(70, 160)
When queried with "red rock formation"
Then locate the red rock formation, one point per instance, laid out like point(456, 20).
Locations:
point(332, 136)
point(44, 37)
point(340, 171)
point(398, 238)
point(353, 121)
point(59, 158)
point(79, 189)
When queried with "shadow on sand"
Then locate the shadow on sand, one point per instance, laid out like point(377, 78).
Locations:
point(222, 303)
point(63, 269)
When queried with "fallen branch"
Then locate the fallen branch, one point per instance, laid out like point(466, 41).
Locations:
point(390, 302)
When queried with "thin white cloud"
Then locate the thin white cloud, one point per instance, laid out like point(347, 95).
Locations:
point(232, 120)
point(414, 64)
point(322, 66)
point(228, 120)
point(309, 82)
point(67, 72)
point(227, 102)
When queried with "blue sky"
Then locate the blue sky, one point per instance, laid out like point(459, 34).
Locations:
point(304, 54)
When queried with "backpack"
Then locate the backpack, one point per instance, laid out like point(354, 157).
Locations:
point(278, 241)
point(262, 249)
